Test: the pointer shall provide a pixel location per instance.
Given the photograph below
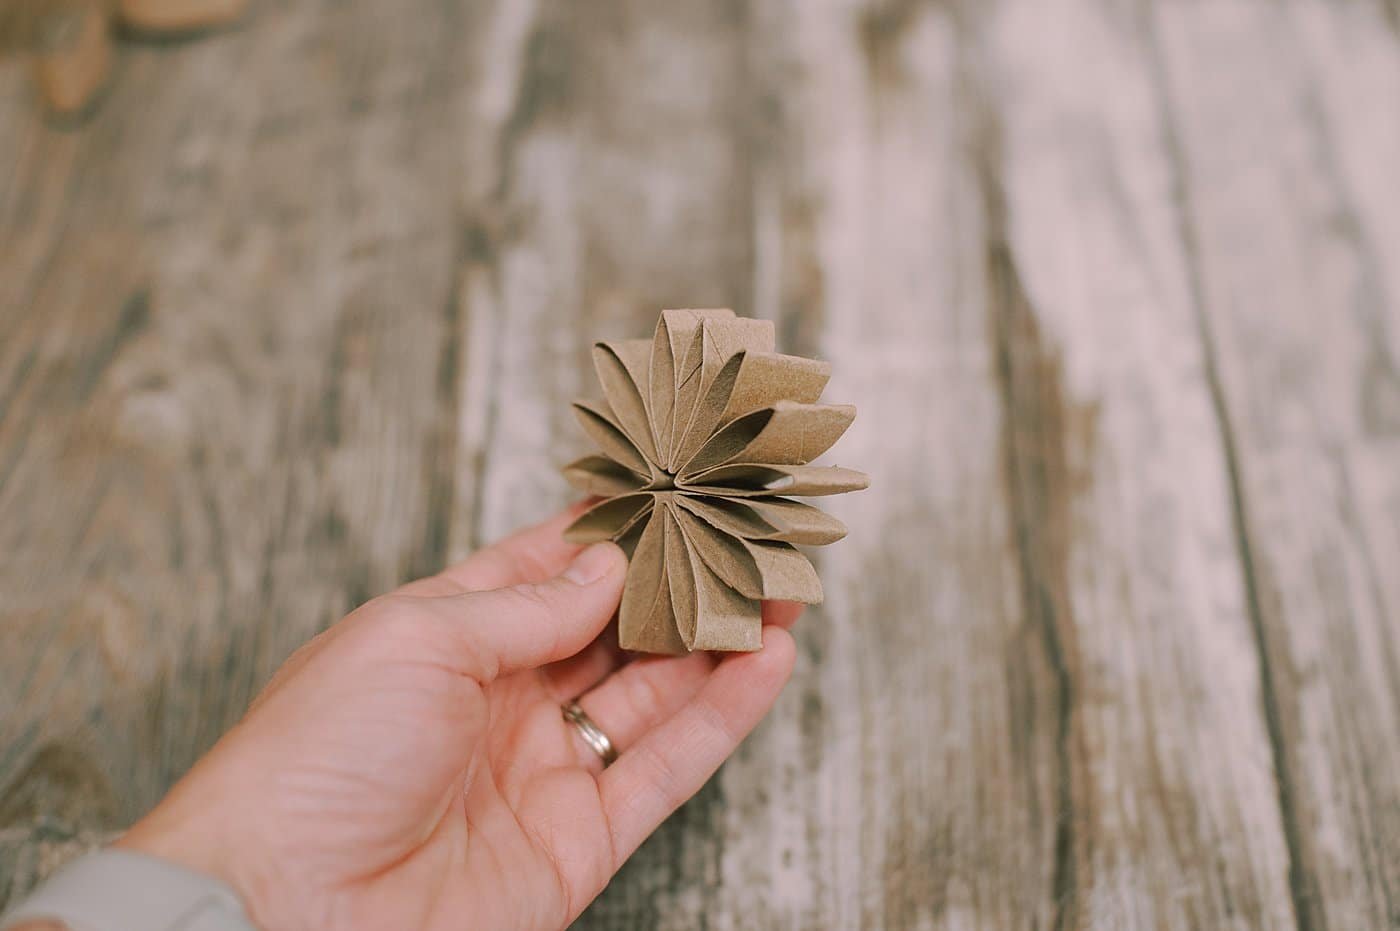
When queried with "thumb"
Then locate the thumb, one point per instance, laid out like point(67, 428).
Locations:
point(529, 625)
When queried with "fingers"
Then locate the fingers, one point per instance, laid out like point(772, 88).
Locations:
point(572, 677)
point(781, 613)
point(640, 696)
point(527, 625)
point(671, 762)
point(531, 555)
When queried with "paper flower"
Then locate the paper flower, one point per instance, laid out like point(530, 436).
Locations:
point(704, 427)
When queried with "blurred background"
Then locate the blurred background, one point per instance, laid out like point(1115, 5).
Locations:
point(294, 296)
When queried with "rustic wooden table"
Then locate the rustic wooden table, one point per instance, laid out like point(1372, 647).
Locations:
point(1116, 286)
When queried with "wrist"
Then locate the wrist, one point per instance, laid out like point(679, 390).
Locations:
point(190, 849)
point(197, 827)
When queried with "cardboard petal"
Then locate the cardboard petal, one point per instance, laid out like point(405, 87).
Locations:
point(661, 389)
point(725, 619)
point(754, 570)
point(797, 522)
point(730, 353)
point(646, 620)
point(764, 379)
point(608, 519)
point(723, 553)
point(751, 479)
point(680, 577)
point(787, 574)
point(675, 359)
point(599, 475)
point(726, 337)
point(622, 368)
point(776, 519)
point(788, 433)
point(610, 438)
point(720, 341)
point(708, 410)
point(689, 376)
point(632, 536)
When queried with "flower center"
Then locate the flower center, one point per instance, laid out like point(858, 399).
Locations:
point(666, 482)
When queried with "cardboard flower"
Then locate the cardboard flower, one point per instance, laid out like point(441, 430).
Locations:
point(705, 426)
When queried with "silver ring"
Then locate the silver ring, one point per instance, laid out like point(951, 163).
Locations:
point(591, 733)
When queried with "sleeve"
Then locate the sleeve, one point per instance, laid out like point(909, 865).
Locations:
point(120, 890)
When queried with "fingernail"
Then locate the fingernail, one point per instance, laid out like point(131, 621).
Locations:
point(591, 565)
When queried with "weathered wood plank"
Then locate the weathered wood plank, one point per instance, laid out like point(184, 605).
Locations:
point(1287, 176)
point(229, 318)
point(907, 777)
point(1175, 823)
point(623, 187)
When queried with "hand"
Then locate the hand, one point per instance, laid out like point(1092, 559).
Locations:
point(410, 768)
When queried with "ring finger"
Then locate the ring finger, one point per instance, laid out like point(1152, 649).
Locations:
point(636, 698)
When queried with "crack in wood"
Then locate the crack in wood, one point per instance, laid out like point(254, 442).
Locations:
point(1269, 644)
point(440, 449)
point(481, 456)
point(132, 319)
point(1036, 475)
point(1035, 430)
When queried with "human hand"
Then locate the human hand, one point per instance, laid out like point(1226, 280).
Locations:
point(410, 767)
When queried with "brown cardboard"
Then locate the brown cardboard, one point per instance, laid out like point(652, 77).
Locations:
point(703, 428)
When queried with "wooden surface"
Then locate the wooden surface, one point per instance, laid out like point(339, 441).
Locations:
point(1115, 638)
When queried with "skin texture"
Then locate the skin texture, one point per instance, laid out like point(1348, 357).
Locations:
point(410, 768)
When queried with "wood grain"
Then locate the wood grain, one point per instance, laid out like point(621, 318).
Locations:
point(1112, 642)
point(227, 318)
point(1303, 420)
